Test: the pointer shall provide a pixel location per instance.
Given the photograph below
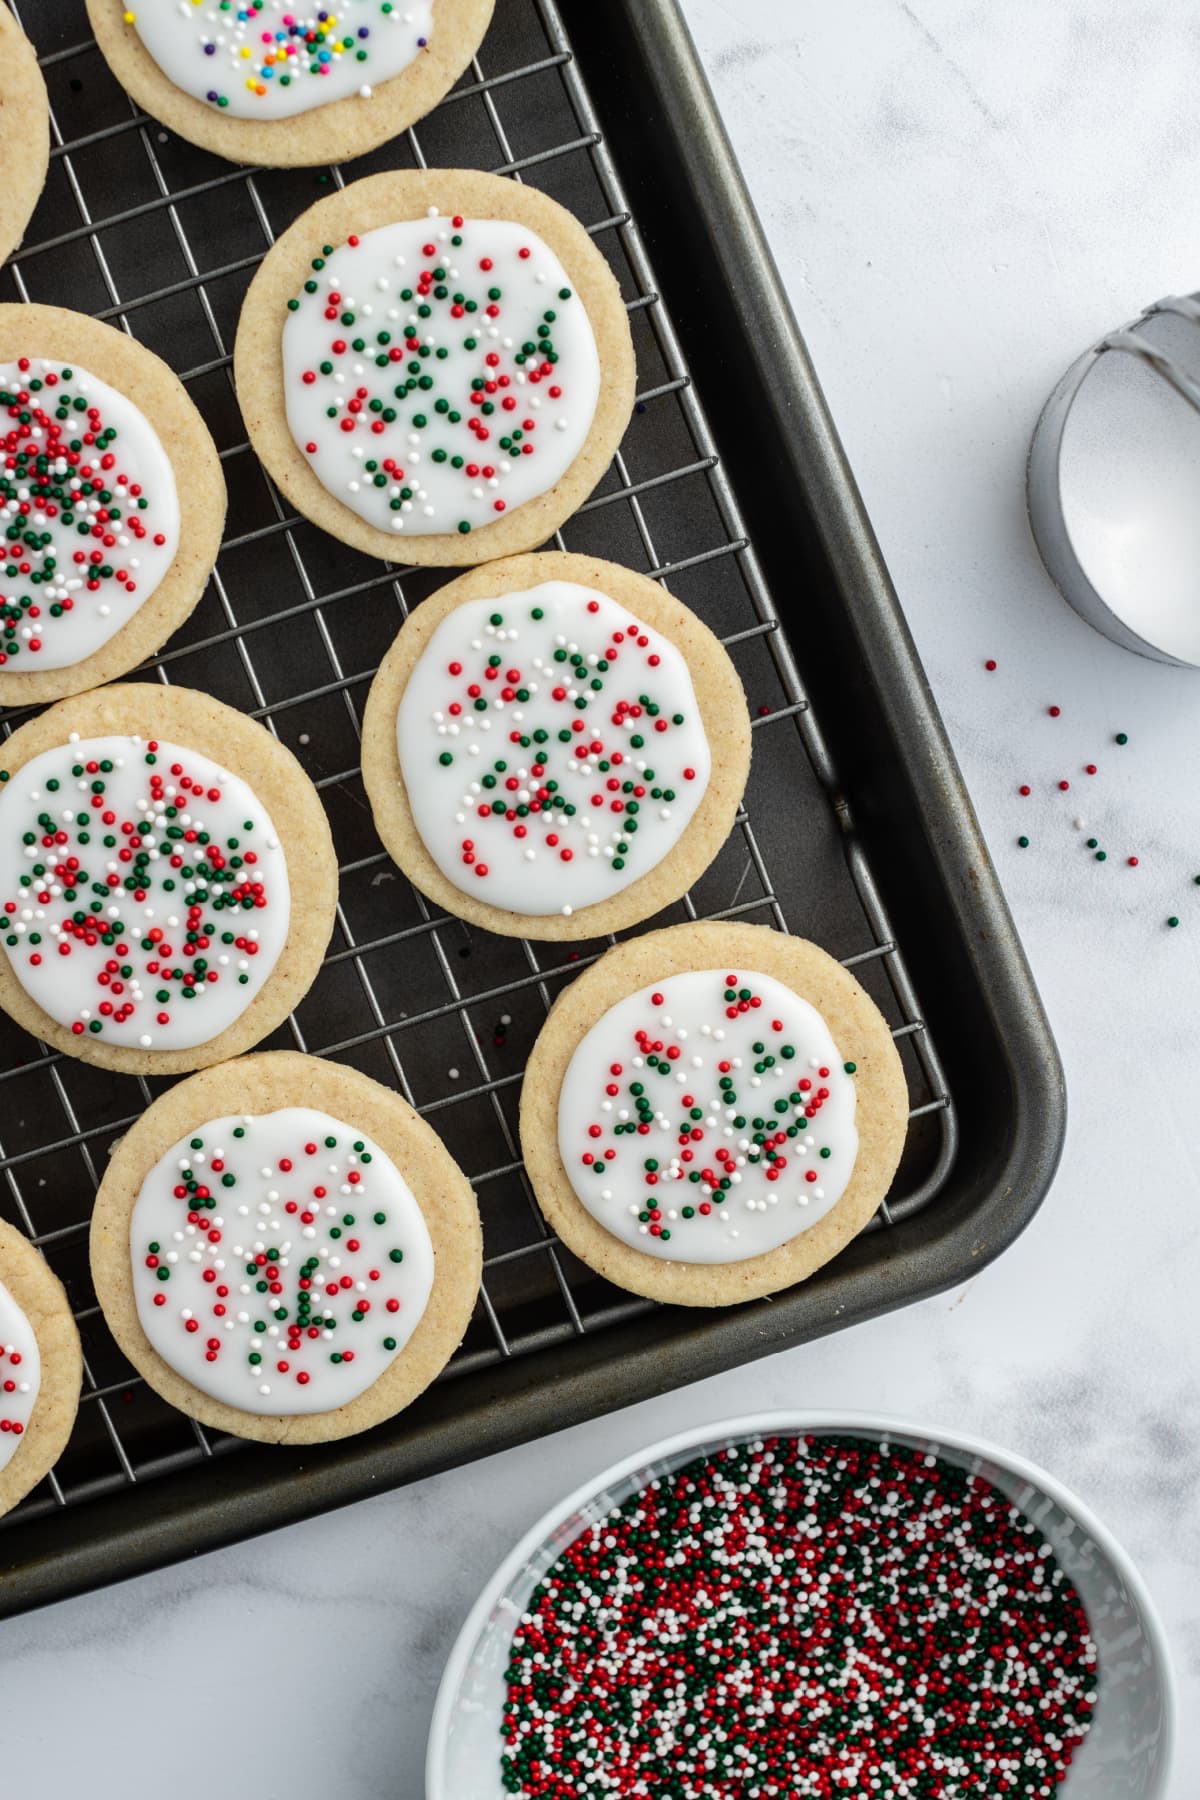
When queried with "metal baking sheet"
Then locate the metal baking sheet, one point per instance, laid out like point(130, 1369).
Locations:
point(731, 488)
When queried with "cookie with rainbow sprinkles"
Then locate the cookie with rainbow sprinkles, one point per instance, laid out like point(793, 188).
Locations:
point(285, 82)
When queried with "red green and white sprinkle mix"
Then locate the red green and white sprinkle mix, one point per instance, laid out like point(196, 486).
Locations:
point(551, 746)
point(439, 372)
point(801, 1619)
point(143, 891)
point(709, 1118)
point(89, 512)
point(20, 1375)
point(280, 1260)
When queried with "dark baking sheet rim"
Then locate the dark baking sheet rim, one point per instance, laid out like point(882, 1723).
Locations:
point(805, 512)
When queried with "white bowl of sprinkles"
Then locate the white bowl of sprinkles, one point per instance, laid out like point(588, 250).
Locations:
point(1126, 1752)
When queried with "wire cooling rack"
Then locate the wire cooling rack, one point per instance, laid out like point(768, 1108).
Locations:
point(161, 239)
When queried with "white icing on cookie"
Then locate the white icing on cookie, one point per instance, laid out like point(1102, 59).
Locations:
point(20, 1375)
point(708, 1118)
point(144, 891)
point(439, 372)
point(274, 59)
point(88, 508)
point(551, 746)
point(275, 1270)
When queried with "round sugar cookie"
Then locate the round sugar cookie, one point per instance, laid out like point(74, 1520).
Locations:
point(289, 84)
point(121, 526)
point(555, 747)
point(285, 1250)
point(24, 132)
point(711, 1112)
point(41, 1367)
point(435, 366)
point(167, 879)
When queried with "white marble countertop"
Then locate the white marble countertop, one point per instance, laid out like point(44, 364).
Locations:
point(960, 199)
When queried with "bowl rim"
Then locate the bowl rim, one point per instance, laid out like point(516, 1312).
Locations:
point(749, 1425)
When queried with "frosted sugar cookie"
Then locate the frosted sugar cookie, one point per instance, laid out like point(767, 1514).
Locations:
point(40, 1367)
point(285, 1249)
point(24, 132)
point(554, 747)
point(436, 367)
point(711, 1112)
point(285, 82)
point(112, 502)
point(167, 879)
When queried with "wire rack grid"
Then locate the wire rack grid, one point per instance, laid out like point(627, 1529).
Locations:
point(406, 993)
